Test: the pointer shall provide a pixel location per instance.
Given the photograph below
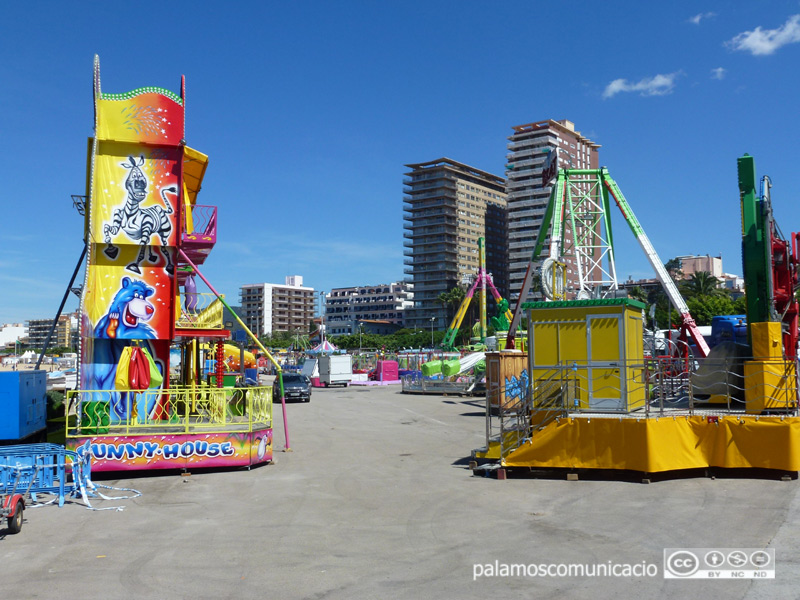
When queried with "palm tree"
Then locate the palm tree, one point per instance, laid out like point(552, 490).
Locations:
point(442, 299)
point(451, 300)
point(702, 283)
point(456, 296)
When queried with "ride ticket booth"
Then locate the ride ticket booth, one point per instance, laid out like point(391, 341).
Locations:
point(591, 351)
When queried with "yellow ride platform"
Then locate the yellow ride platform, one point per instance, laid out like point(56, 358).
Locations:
point(588, 399)
point(654, 444)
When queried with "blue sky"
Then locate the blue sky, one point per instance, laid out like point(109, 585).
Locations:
point(309, 110)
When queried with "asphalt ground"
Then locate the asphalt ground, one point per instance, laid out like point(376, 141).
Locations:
point(376, 501)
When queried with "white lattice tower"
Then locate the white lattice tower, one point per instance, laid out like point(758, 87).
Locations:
point(586, 217)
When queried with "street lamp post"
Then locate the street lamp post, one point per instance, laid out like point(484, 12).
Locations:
point(432, 320)
point(360, 329)
point(322, 315)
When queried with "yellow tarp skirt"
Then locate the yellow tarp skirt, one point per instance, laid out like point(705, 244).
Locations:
point(664, 444)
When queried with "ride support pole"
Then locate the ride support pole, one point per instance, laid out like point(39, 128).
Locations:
point(258, 343)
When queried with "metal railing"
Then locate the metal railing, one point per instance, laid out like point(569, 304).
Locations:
point(657, 387)
point(201, 224)
point(198, 311)
point(175, 410)
point(662, 385)
point(421, 385)
point(733, 385)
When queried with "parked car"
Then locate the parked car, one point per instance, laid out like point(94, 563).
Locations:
point(295, 387)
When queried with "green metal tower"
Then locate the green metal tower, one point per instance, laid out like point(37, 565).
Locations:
point(756, 253)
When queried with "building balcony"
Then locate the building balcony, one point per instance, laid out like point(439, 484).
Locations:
point(435, 252)
point(429, 231)
point(434, 286)
point(422, 277)
point(527, 162)
point(440, 188)
point(527, 246)
point(429, 241)
point(436, 208)
point(432, 224)
point(513, 184)
point(525, 216)
point(531, 140)
point(428, 262)
point(529, 201)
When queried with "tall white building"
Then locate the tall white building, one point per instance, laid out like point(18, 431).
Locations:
point(528, 149)
point(270, 307)
point(346, 307)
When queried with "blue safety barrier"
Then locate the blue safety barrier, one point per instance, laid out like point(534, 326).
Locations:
point(40, 469)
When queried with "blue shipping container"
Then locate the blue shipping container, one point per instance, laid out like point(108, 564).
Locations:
point(23, 404)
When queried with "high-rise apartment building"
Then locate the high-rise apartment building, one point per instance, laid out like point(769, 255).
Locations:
point(270, 307)
point(39, 329)
point(528, 149)
point(346, 307)
point(448, 206)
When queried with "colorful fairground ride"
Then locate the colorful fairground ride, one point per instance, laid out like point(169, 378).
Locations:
point(145, 238)
point(586, 396)
point(480, 284)
point(462, 371)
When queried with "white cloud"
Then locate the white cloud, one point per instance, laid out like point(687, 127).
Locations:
point(695, 20)
point(718, 73)
point(659, 85)
point(761, 42)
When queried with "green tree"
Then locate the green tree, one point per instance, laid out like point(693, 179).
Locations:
point(399, 340)
point(701, 283)
point(59, 350)
point(281, 339)
point(740, 305)
point(703, 308)
point(451, 300)
point(442, 299)
point(408, 338)
point(666, 316)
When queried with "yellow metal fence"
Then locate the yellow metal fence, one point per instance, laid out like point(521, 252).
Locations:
point(198, 311)
point(175, 410)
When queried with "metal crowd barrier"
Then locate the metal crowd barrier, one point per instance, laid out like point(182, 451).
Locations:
point(173, 410)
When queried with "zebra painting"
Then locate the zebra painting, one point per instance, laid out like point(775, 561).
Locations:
point(138, 223)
